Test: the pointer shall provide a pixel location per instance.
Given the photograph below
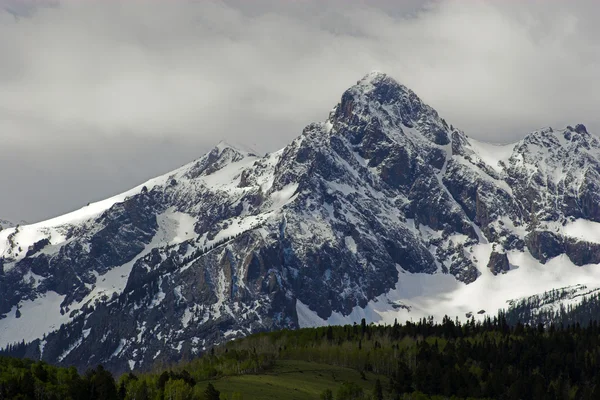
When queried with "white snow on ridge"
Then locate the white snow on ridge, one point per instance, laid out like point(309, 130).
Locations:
point(228, 177)
point(421, 295)
point(26, 235)
point(29, 234)
point(580, 229)
point(173, 228)
point(243, 223)
point(492, 154)
point(42, 315)
point(238, 225)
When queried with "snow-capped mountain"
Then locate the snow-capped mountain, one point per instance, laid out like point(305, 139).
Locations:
point(5, 224)
point(383, 211)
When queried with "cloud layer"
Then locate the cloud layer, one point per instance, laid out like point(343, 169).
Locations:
point(96, 96)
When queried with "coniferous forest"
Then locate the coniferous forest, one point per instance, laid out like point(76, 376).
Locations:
point(549, 307)
point(424, 360)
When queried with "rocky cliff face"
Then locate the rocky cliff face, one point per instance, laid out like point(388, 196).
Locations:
point(382, 211)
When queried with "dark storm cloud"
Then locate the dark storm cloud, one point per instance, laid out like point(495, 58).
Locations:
point(96, 96)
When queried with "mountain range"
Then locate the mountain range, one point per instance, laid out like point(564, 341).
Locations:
point(5, 224)
point(384, 211)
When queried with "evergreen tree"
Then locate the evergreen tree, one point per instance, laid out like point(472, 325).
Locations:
point(349, 391)
point(211, 393)
point(326, 394)
point(102, 385)
point(378, 391)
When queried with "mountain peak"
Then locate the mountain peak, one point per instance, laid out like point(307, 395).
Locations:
point(580, 128)
point(379, 97)
point(237, 147)
point(373, 76)
point(550, 137)
point(377, 80)
point(221, 155)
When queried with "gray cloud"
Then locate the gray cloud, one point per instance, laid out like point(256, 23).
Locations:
point(96, 96)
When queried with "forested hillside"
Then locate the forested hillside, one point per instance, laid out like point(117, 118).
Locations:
point(489, 359)
point(566, 306)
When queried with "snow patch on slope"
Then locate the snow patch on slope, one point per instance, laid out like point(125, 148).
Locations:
point(580, 229)
point(421, 295)
point(173, 228)
point(43, 315)
point(55, 229)
point(492, 154)
point(38, 317)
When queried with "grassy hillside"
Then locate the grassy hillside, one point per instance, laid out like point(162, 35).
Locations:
point(291, 379)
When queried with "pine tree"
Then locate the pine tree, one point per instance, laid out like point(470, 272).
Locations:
point(378, 391)
point(326, 394)
point(211, 393)
point(329, 333)
point(102, 384)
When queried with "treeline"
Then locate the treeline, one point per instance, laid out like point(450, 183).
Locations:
point(26, 379)
point(549, 308)
point(490, 359)
point(22, 379)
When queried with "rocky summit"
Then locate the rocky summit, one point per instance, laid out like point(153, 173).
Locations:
point(384, 211)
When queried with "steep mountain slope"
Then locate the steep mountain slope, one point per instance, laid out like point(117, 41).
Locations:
point(383, 211)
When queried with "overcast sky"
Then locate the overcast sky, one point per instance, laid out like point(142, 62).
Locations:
point(97, 96)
